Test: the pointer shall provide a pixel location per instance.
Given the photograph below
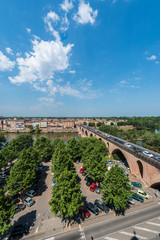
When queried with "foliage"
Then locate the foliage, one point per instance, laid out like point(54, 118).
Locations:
point(44, 147)
point(66, 195)
point(7, 209)
point(38, 130)
point(84, 123)
point(91, 124)
point(15, 146)
point(61, 160)
point(116, 188)
point(73, 148)
point(99, 124)
point(23, 171)
point(55, 143)
point(2, 160)
point(31, 129)
point(2, 140)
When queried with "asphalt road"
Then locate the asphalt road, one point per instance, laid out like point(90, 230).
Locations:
point(112, 229)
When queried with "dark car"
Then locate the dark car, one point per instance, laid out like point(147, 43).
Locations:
point(101, 205)
point(93, 208)
point(84, 173)
point(18, 230)
point(89, 182)
point(84, 212)
point(19, 207)
point(137, 197)
point(86, 178)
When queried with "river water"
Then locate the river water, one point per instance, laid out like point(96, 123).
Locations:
point(51, 136)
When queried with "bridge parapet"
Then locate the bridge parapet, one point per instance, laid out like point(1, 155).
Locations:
point(138, 155)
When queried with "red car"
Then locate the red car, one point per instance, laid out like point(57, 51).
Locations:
point(93, 187)
point(82, 170)
point(84, 211)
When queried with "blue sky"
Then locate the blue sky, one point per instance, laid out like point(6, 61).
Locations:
point(79, 58)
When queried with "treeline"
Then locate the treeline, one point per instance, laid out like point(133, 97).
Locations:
point(21, 157)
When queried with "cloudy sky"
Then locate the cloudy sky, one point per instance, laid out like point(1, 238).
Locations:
point(79, 58)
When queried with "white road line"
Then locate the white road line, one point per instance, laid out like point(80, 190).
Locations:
point(37, 229)
point(155, 224)
point(109, 238)
point(51, 238)
point(132, 235)
point(146, 229)
point(82, 232)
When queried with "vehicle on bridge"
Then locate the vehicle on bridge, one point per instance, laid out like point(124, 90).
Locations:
point(136, 184)
point(143, 194)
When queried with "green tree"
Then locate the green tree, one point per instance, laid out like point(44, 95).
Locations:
point(91, 124)
point(2, 160)
point(2, 140)
point(44, 147)
point(32, 130)
point(7, 209)
point(84, 123)
point(73, 149)
point(23, 172)
point(116, 188)
point(38, 130)
point(67, 197)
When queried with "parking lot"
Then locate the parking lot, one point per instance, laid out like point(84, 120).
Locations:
point(40, 219)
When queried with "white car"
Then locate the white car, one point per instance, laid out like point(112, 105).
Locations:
point(31, 193)
point(127, 145)
point(28, 201)
point(148, 154)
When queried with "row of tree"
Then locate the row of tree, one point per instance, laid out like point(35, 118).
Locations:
point(66, 194)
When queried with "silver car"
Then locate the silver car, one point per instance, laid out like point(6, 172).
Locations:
point(28, 201)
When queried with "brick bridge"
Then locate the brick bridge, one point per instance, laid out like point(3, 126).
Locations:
point(144, 168)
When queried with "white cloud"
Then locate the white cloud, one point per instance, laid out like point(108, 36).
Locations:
point(6, 63)
point(85, 13)
point(151, 58)
point(72, 71)
point(52, 17)
point(28, 30)
point(9, 50)
point(46, 99)
point(66, 5)
point(39, 88)
point(46, 58)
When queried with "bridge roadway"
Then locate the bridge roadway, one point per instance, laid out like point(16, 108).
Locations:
point(152, 161)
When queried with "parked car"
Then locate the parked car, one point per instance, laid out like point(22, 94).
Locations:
point(93, 187)
point(53, 184)
point(19, 207)
point(31, 193)
point(89, 182)
point(127, 145)
point(84, 173)
point(98, 190)
point(123, 169)
point(101, 205)
point(143, 194)
point(157, 158)
point(137, 197)
point(148, 154)
point(28, 201)
point(84, 211)
point(136, 184)
point(131, 200)
point(18, 230)
point(40, 167)
point(93, 208)
point(82, 170)
point(16, 200)
point(3, 176)
point(86, 178)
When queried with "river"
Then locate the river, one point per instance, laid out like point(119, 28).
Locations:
point(51, 136)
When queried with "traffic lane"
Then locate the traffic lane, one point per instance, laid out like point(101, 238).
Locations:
point(110, 226)
point(74, 234)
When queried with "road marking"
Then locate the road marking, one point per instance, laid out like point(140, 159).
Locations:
point(37, 229)
point(132, 235)
point(146, 229)
point(51, 238)
point(81, 232)
point(109, 238)
point(38, 216)
point(156, 224)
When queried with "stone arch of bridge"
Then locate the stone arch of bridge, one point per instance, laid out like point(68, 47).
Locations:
point(91, 135)
point(86, 133)
point(120, 155)
point(82, 130)
point(156, 186)
point(100, 139)
point(140, 167)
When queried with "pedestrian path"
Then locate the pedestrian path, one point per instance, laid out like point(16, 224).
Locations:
point(146, 230)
